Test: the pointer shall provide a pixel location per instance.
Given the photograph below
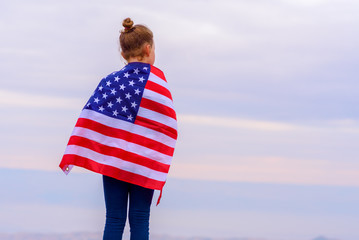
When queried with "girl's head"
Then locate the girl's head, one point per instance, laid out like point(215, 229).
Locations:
point(136, 43)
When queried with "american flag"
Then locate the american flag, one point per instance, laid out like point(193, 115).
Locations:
point(128, 128)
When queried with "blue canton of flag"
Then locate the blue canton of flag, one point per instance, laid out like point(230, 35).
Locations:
point(119, 94)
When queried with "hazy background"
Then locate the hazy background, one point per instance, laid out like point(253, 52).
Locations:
point(267, 99)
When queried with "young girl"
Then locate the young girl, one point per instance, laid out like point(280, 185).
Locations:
point(127, 132)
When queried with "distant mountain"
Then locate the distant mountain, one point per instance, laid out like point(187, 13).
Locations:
point(166, 237)
point(323, 238)
point(98, 236)
point(52, 236)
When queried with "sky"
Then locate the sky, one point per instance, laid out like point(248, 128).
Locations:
point(266, 97)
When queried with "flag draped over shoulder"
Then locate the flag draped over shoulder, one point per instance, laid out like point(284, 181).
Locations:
point(128, 128)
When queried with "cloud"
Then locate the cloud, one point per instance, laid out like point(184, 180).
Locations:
point(32, 161)
point(248, 149)
point(270, 170)
point(307, 2)
point(228, 122)
point(33, 218)
point(335, 125)
point(233, 70)
point(10, 98)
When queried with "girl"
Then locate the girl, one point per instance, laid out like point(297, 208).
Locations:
point(127, 132)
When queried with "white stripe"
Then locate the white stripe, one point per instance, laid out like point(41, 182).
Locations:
point(154, 78)
point(156, 97)
point(127, 126)
point(158, 117)
point(122, 144)
point(115, 162)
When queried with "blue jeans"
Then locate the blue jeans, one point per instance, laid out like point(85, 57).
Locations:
point(117, 194)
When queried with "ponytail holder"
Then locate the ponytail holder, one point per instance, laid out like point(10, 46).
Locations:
point(127, 29)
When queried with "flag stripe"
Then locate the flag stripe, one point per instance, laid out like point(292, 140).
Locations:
point(158, 107)
point(158, 73)
point(123, 125)
point(158, 88)
point(124, 135)
point(119, 143)
point(154, 78)
point(111, 171)
point(119, 153)
point(158, 117)
point(148, 94)
point(115, 162)
point(145, 122)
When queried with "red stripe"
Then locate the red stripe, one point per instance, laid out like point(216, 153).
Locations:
point(159, 127)
point(118, 153)
point(158, 73)
point(158, 89)
point(71, 159)
point(125, 135)
point(158, 107)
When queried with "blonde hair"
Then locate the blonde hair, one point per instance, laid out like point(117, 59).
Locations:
point(133, 39)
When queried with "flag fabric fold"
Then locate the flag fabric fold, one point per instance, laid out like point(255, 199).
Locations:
point(127, 129)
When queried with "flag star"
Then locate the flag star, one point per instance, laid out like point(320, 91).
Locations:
point(122, 87)
point(119, 100)
point(101, 108)
point(134, 104)
point(96, 100)
point(113, 91)
point(131, 83)
point(141, 79)
point(88, 104)
point(108, 83)
point(130, 117)
point(104, 95)
point(128, 95)
point(136, 71)
point(117, 78)
point(145, 68)
point(109, 104)
point(137, 91)
point(126, 75)
point(100, 88)
point(114, 113)
point(124, 109)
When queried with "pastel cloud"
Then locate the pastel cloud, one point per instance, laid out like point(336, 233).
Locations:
point(12, 98)
point(206, 160)
point(263, 89)
point(270, 170)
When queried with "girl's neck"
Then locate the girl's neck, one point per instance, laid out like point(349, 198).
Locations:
point(143, 60)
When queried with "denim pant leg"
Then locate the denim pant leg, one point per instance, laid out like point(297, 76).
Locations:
point(116, 195)
point(139, 212)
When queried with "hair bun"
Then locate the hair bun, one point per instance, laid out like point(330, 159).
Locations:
point(127, 24)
